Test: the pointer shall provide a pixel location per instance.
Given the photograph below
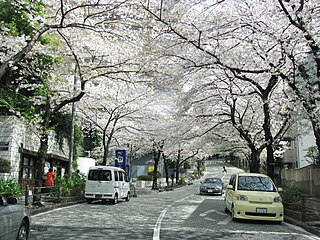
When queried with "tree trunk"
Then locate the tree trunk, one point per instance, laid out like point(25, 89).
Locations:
point(42, 158)
point(177, 165)
point(165, 161)
point(156, 155)
point(255, 161)
point(268, 139)
point(270, 162)
point(316, 132)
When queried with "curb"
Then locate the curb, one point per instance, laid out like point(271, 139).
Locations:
point(34, 211)
point(309, 228)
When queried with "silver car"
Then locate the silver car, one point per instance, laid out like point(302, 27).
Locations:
point(211, 186)
point(14, 220)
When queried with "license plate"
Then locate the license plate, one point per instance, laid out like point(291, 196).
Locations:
point(98, 196)
point(261, 210)
point(210, 191)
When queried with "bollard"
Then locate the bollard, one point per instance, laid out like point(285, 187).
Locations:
point(59, 200)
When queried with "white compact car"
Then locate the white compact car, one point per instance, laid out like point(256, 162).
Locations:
point(107, 183)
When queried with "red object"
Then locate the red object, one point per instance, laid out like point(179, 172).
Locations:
point(49, 180)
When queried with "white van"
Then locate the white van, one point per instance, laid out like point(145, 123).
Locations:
point(107, 183)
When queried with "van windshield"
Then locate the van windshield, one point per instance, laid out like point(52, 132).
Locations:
point(99, 175)
point(255, 183)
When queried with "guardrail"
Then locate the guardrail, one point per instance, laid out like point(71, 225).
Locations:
point(39, 192)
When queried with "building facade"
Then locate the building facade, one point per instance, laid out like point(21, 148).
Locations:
point(19, 144)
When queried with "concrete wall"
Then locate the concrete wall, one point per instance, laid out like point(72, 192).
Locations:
point(306, 179)
point(12, 132)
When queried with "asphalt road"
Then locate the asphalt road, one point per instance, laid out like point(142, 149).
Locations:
point(178, 214)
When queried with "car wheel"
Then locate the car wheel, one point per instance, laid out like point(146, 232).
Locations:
point(23, 231)
point(128, 197)
point(232, 214)
point(226, 210)
point(115, 200)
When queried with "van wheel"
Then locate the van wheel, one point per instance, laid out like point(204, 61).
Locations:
point(115, 200)
point(128, 197)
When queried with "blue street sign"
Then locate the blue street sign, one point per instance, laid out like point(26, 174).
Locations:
point(121, 158)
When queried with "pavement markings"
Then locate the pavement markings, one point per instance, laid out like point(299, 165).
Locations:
point(225, 221)
point(157, 227)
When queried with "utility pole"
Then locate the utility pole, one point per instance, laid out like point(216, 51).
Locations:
point(73, 110)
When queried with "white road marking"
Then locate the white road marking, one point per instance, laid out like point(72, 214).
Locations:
point(54, 210)
point(225, 221)
point(157, 227)
point(206, 213)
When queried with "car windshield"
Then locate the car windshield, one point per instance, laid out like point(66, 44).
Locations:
point(212, 180)
point(99, 175)
point(255, 183)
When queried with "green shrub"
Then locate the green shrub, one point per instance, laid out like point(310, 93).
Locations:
point(71, 186)
point(291, 198)
point(182, 180)
point(10, 187)
point(145, 177)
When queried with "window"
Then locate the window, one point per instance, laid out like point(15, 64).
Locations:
point(27, 168)
point(121, 176)
point(116, 176)
point(232, 181)
point(255, 183)
point(100, 175)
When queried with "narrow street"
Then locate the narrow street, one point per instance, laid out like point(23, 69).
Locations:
point(179, 214)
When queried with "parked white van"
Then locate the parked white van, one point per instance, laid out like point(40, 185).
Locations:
point(107, 183)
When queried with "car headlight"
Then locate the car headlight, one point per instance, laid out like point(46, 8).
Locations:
point(203, 187)
point(277, 199)
point(242, 198)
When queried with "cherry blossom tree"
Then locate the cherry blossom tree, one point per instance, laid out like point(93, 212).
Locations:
point(115, 110)
point(77, 38)
point(299, 41)
point(211, 42)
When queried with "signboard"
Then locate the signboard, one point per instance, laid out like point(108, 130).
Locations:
point(121, 161)
point(4, 146)
point(121, 157)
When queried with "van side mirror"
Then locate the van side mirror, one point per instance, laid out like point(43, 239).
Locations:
point(280, 189)
point(127, 179)
point(230, 187)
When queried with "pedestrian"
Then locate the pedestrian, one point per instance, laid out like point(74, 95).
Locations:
point(224, 169)
point(50, 178)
